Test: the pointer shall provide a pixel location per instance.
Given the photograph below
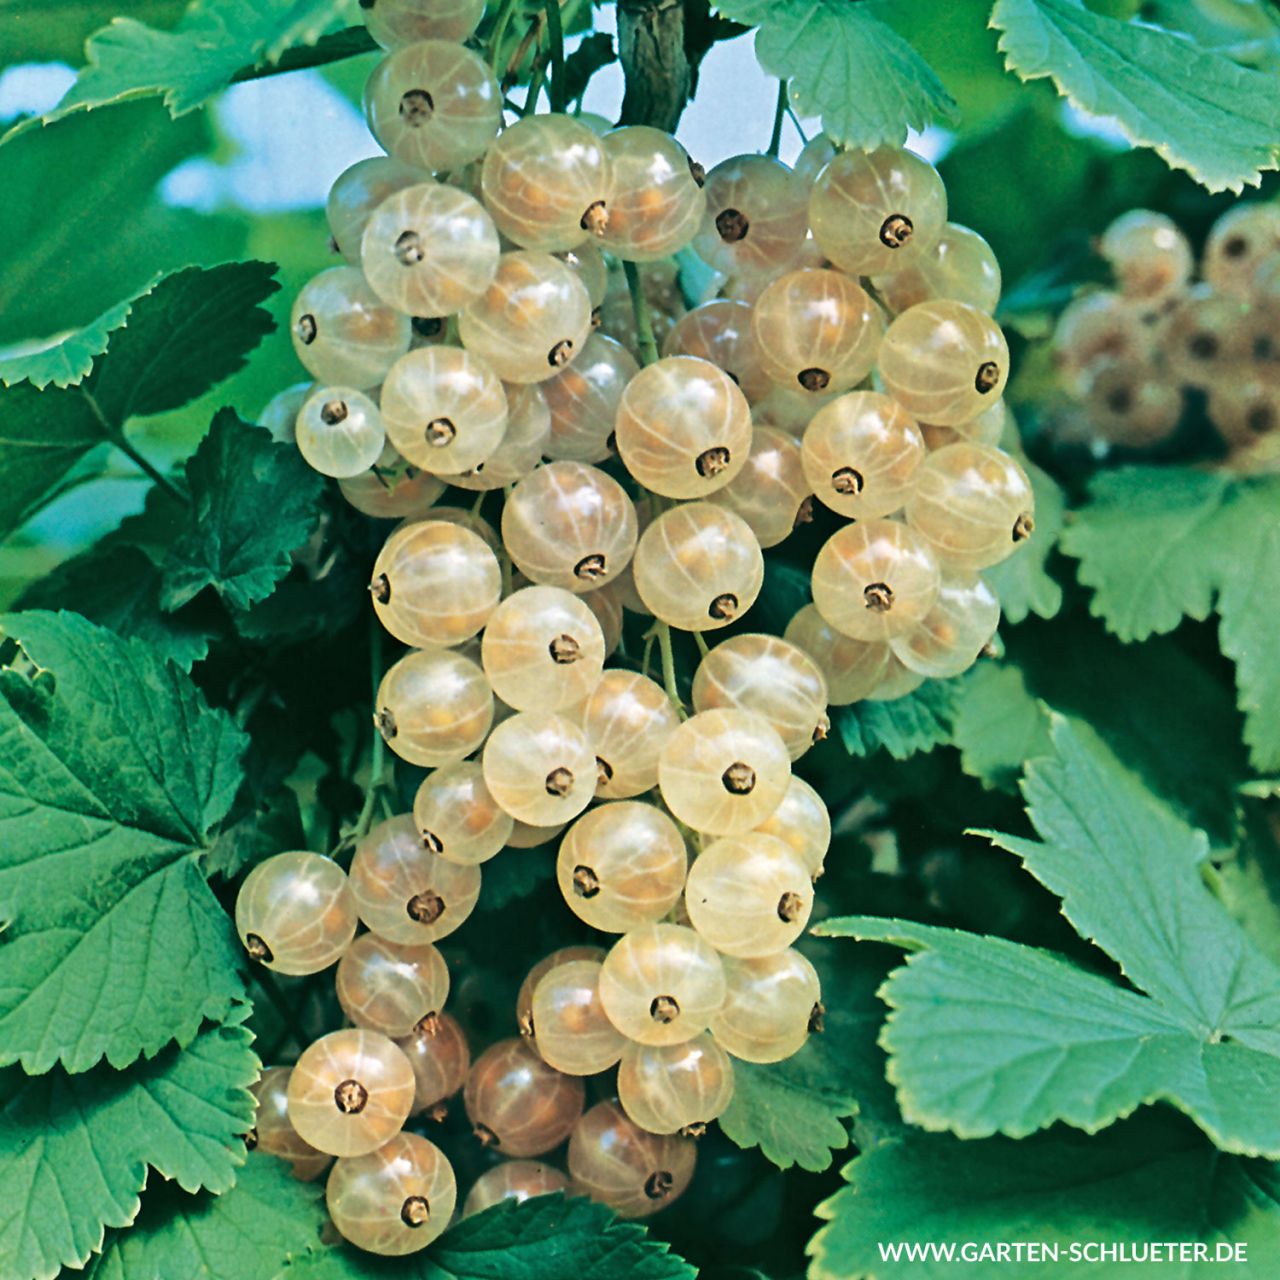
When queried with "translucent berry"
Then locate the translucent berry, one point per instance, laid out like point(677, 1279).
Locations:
point(661, 983)
point(973, 504)
point(802, 821)
point(720, 331)
point(617, 1163)
point(525, 835)
point(540, 768)
point(518, 1104)
point(280, 414)
point(548, 181)
point(698, 567)
point(1132, 404)
point(295, 913)
point(814, 156)
point(1148, 254)
point(357, 192)
point(944, 362)
point(543, 649)
point(749, 894)
point(875, 579)
point(517, 1180)
point(1095, 327)
point(621, 866)
point(524, 999)
point(860, 455)
point(817, 331)
point(667, 1088)
point(274, 1135)
point(389, 986)
point(569, 525)
point(433, 104)
point(522, 445)
point(896, 682)
point(444, 409)
point(435, 583)
point(658, 201)
point(393, 23)
point(1244, 411)
point(769, 1006)
point(960, 266)
point(852, 667)
point(627, 718)
point(533, 319)
point(395, 1200)
point(343, 333)
point(757, 216)
point(607, 604)
point(683, 427)
point(429, 250)
point(350, 1092)
point(724, 771)
point(989, 427)
point(391, 489)
point(570, 1029)
point(433, 707)
point(438, 1053)
point(457, 817)
point(954, 632)
point(1206, 337)
point(584, 397)
point(876, 212)
point(586, 261)
point(771, 492)
point(339, 432)
point(403, 891)
point(1239, 242)
point(771, 677)
point(789, 410)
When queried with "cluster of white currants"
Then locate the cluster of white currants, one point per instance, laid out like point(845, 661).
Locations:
point(459, 349)
point(1127, 355)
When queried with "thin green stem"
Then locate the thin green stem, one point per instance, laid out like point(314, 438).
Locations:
point(646, 655)
point(795, 120)
point(640, 309)
point(378, 754)
point(555, 42)
point(779, 112)
point(536, 81)
point(701, 643)
point(500, 25)
point(115, 434)
point(667, 654)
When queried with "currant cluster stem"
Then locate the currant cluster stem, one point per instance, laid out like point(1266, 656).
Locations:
point(640, 309)
point(378, 754)
point(775, 139)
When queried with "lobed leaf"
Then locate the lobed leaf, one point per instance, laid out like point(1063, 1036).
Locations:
point(919, 721)
point(545, 1238)
point(253, 501)
point(114, 774)
point(1031, 1039)
point(75, 1149)
point(1197, 108)
point(252, 1230)
point(214, 40)
point(844, 64)
point(1150, 1178)
point(1023, 582)
point(1160, 544)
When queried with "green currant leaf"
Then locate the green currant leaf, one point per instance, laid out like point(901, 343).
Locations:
point(214, 40)
point(252, 1230)
point(83, 224)
point(999, 725)
point(187, 333)
point(253, 502)
point(845, 65)
point(1198, 109)
point(75, 1149)
point(118, 586)
point(919, 721)
point(1031, 1038)
point(1160, 544)
point(1150, 1178)
point(56, 31)
point(68, 361)
point(546, 1238)
point(795, 1110)
point(115, 772)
